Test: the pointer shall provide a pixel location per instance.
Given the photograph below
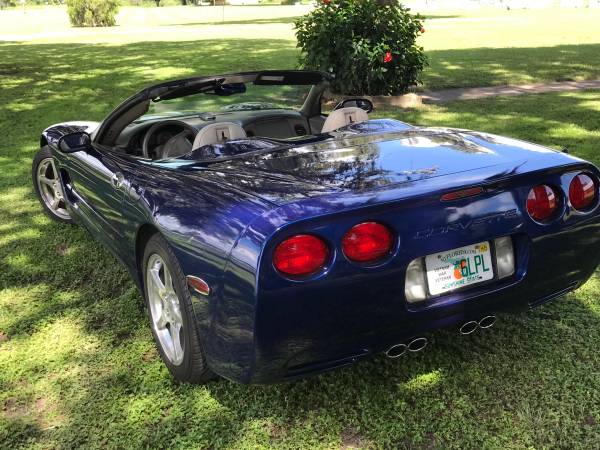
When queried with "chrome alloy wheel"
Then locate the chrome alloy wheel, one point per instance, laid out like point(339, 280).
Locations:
point(165, 309)
point(50, 189)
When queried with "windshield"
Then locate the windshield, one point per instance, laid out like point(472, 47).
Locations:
point(255, 98)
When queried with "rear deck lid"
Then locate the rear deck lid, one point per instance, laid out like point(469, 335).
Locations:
point(363, 163)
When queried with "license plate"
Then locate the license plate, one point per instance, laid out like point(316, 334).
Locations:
point(460, 267)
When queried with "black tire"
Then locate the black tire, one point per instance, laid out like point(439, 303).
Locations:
point(41, 157)
point(193, 368)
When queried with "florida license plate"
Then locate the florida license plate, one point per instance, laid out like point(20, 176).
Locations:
point(460, 267)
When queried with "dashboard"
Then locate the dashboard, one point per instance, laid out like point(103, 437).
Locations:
point(158, 137)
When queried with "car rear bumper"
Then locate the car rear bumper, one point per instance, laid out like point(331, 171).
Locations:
point(315, 360)
point(319, 330)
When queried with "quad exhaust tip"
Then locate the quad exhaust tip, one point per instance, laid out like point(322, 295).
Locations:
point(415, 345)
point(472, 325)
point(469, 327)
point(396, 351)
point(419, 343)
point(487, 322)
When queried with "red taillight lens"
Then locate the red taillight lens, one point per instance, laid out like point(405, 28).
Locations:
point(542, 203)
point(300, 255)
point(582, 192)
point(367, 242)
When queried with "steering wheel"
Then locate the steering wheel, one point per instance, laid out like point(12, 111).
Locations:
point(178, 143)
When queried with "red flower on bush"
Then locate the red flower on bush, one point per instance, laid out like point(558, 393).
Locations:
point(422, 30)
point(326, 2)
point(388, 57)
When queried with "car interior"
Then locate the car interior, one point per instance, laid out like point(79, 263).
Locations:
point(165, 138)
point(179, 132)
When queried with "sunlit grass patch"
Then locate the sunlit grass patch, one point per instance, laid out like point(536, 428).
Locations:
point(424, 381)
point(31, 305)
point(63, 341)
point(589, 295)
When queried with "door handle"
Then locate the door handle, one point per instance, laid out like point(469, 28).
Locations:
point(117, 180)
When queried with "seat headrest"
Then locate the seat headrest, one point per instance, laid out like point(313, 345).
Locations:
point(218, 133)
point(342, 117)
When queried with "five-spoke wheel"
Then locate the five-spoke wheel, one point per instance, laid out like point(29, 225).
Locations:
point(165, 309)
point(48, 186)
point(172, 319)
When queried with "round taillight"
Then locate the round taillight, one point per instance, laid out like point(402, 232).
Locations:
point(582, 192)
point(367, 242)
point(542, 203)
point(301, 254)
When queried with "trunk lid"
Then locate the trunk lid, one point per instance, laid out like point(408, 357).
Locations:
point(355, 164)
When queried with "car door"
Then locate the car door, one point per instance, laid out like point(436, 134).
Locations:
point(95, 186)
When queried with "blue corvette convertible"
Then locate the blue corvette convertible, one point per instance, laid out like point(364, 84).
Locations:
point(272, 241)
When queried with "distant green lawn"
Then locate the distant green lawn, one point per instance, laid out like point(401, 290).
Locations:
point(465, 48)
point(77, 362)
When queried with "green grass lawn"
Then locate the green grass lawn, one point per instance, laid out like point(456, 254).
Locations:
point(78, 366)
point(465, 48)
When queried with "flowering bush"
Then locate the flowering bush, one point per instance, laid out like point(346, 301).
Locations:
point(369, 45)
point(92, 13)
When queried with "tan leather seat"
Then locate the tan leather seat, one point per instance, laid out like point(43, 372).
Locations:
point(218, 133)
point(342, 117)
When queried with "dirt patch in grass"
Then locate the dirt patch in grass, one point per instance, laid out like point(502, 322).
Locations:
point(590, 421)
point(13, 409)
point(150, 355)
point(352, 439)
point(62, 249)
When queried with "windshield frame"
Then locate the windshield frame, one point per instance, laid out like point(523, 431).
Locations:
point(138, 104)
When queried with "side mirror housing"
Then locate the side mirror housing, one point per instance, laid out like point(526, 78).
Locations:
point(74, 142)
point(362, 103)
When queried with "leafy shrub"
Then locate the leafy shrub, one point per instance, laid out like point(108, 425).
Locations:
point(92, 13)
point(369, 45)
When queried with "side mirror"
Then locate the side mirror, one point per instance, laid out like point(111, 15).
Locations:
point(74, 142)
point(361, 103)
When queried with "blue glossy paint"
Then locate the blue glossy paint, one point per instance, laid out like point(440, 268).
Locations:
point(224, 220)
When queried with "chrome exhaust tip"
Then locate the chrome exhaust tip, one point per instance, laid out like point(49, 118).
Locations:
point(417, 344)
point(396, 351)
point(469, 327)
point(487, 321)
